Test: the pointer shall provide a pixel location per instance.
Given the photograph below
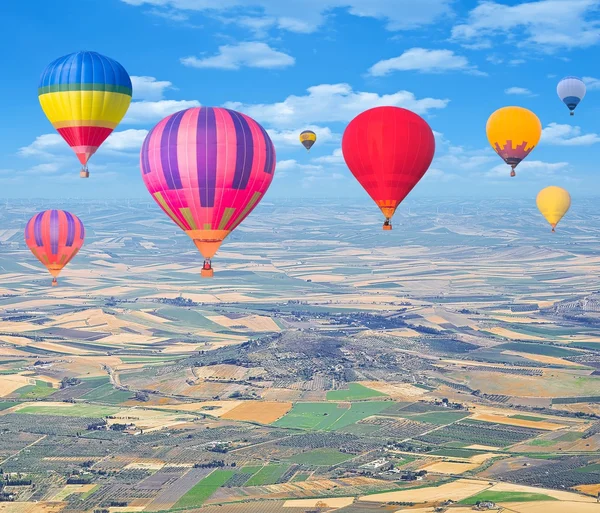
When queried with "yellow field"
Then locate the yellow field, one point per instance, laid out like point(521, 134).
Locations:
point(500, 419)
point(221, 407)
point(258, 411)
point(407, 332)
point(482, 447)
point(556, 494)
point(592, 489)
point(70, 489)
point(145, 464)
point(336, 502)
point(12, 382)
point(503, 332)
point(401, 390)
point(32, 507)
point(449, 467)
point(455, 491)
point(551, 360)
point(552, 507)
point(148, 420)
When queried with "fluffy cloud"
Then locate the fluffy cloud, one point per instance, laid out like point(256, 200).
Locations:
point(286, 15)
point(591, 82)
point(42, 146)
point(425, 61)
point(518, 91)
point(548, 24)
point(249, 54)
point(126, 140)
point(537, 168)
point(335, 159)
point(148, 88)
point(141, 113)
point(331, 103)
point(291, 137)
point(567, 135)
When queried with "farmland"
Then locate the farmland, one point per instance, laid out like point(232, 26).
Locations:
point(331, 367)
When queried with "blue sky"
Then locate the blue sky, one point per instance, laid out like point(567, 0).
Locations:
point(314, 64)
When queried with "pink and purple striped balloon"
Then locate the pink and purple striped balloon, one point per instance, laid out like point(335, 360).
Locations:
point(207, 168)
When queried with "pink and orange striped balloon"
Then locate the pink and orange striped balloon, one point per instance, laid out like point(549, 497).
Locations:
point(207, 168)
point(54, 237)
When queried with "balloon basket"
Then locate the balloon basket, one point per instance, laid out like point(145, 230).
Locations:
point(387, 227)
point(512, 173)
point(54, 283)
point(207, 273)
point(84, 173)
point(572, 113)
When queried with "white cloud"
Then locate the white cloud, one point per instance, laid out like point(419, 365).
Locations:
point(249, 54)
point(144, 112)
point(294, 165)
point(517, 62)
point(425, 61)
point(125, 140)
point(307, 17)
point(331, 103)
point(591, 83)
point(548, 24)
point(42, 146)
point(567, 135)
point(292, 137)
point(537, 168)
point(148, 88)
point(335, 159)
point(518, 91)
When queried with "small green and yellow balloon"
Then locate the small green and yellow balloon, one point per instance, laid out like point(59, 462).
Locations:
point(308, 138)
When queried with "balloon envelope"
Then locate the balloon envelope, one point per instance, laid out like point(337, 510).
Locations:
point(85, 96)
point(308, 138)
point(553, 202)
point(571, 90)
point(54, 237)
point(388, 150)
point(207, 168)
point(513, 132)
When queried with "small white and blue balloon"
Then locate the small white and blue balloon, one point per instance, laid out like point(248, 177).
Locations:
point(571, 91)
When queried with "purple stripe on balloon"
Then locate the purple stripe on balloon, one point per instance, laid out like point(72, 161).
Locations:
point(145, 154)
point(245, 151)
point(70, 229)
point(168, 151)
point(27, 229)
point(206, 156)
point(54, 232)
point(37, 230)
point(82, 234)
point(270, 151)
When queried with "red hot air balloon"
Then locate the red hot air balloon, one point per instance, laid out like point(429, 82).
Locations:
point(54, 237)
point(207, 168)
point(388, 150)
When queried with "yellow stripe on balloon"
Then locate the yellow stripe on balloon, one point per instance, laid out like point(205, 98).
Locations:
point(85, 105)
point(253, 200)
point(161, 201)
point(87, 122)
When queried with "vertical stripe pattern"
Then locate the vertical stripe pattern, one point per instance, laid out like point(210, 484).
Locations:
point(207, 167)
point(54, 237)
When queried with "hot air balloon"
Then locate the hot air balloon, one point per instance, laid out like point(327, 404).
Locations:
point(54, 237)
point(513, 132)
point(571, 91)
point(85, 96)
point(553, 202)
point(388, 150)
point(308, 138)
point(207, 168)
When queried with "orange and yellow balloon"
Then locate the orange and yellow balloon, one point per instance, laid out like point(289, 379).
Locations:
point(553, 202)
point(513, 132)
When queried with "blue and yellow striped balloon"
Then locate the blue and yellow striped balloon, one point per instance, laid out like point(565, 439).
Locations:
point(85, 95)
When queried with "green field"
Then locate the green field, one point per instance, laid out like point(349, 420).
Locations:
point(321, 457)
point(204, 489)
point(40, 390)
point(355, 392)
point(527, 417)
point(505, 497)
point(107, 394)
point(328, 416)
point(439, 418)
point(542, 349)
point(590, 469)
point(71, 410)
point(5, 405)
point(573, 436)
point(269, 474)
point(455, 453)
point(542, 443)
point(299, 477)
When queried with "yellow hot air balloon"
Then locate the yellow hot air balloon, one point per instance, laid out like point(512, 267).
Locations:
point(553, 202)
point(513, 132)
